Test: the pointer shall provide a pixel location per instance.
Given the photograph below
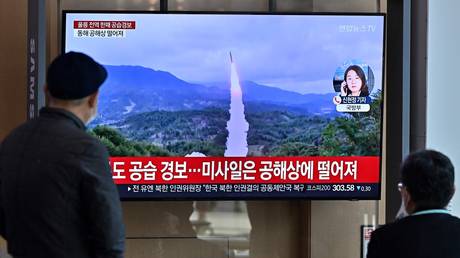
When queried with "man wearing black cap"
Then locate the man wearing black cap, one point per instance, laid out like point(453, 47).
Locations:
point(57, 196)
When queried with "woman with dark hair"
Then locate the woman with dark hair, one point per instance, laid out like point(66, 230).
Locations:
point(354, 82)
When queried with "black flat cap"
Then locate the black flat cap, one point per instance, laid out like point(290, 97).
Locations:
point(74, 75)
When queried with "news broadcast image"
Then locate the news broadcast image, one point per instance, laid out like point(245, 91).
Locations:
point(237, 106)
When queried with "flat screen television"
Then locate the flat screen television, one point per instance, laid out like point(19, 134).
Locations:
point(237, 105)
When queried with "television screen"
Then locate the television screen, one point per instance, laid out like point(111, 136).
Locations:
point(237, 105)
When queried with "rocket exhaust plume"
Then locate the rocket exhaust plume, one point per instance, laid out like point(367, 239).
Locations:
point(237, 126)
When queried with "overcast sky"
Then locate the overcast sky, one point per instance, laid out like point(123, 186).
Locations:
point(293, 52)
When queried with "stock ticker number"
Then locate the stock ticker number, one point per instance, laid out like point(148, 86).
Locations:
point(343, 188)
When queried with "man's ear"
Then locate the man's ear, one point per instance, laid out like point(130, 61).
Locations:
point(407, 196)
point(92, 101)
point(48, 97)
point(46, 92)
point(408, 202)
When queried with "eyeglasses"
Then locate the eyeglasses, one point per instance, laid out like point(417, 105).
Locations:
point(400, 186)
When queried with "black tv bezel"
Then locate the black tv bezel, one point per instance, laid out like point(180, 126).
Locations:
point(382, 113)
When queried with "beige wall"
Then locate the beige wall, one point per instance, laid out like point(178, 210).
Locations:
point(335, 227)
point(13, 54)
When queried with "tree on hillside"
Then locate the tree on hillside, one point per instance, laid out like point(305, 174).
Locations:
point(119, 146)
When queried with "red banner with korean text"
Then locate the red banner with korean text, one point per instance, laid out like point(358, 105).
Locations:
point(248, 170)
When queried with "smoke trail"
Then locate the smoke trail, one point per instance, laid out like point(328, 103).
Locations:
point(237, 126)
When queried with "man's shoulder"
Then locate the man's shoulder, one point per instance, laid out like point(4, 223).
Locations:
point(94, 147)
point(18, 135)
point(57, 135)
point(417, 222)
point(88, 145)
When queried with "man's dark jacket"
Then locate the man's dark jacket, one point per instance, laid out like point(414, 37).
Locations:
point(420, 236)
point(57, 197)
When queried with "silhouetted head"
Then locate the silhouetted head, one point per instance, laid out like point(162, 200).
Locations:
point(427, 179)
